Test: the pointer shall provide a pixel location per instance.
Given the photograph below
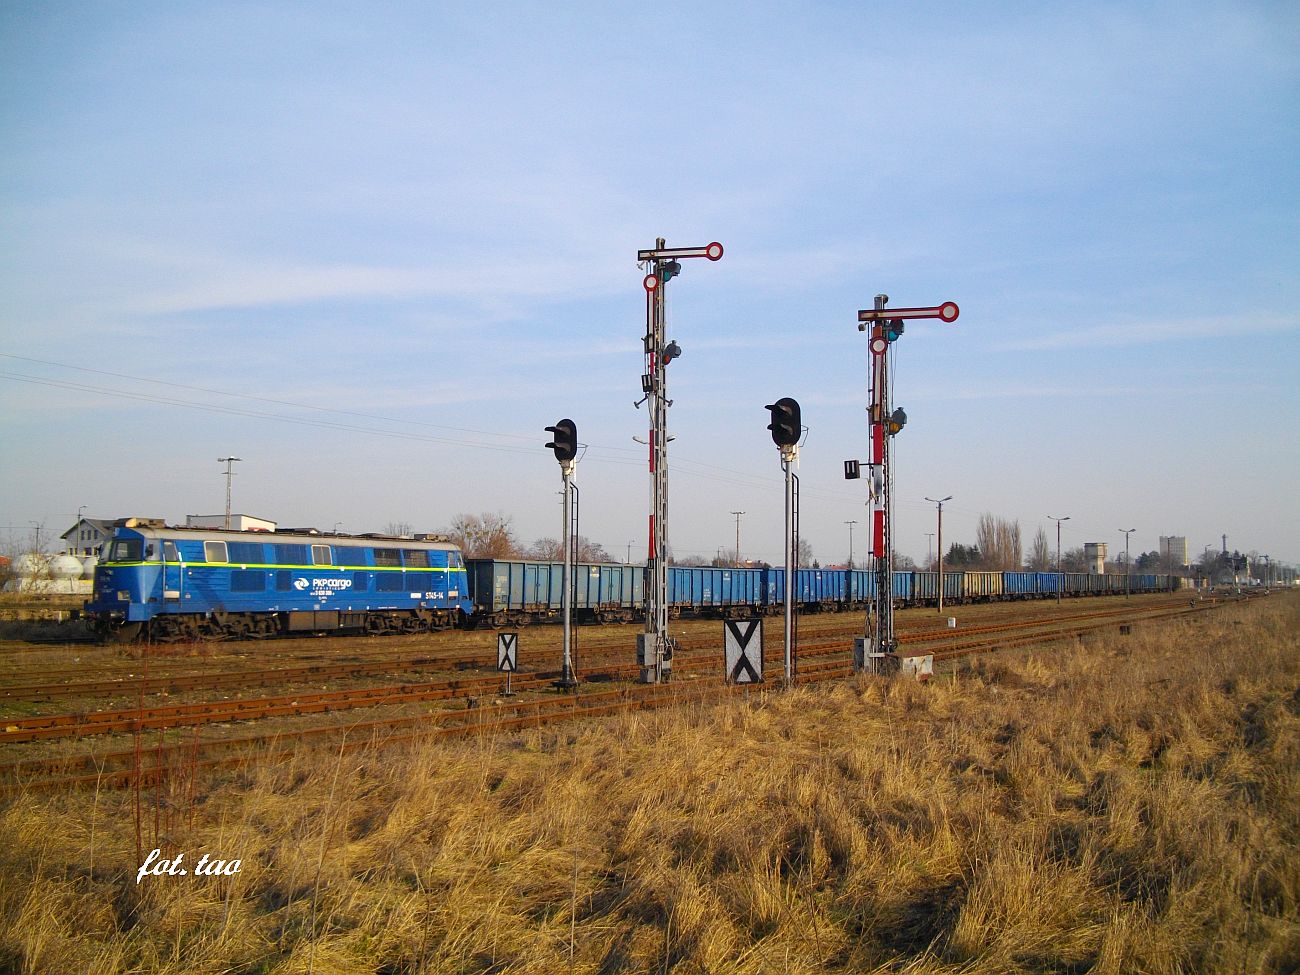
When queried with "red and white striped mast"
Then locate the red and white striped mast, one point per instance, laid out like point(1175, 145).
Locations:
point(886, 327)
point(654, 647)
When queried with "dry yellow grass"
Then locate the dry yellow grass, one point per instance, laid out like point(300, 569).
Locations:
point(1128, 805)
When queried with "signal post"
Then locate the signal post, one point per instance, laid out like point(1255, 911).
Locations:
point(565, 446)
point(654, 646)
point(877, 650)
point(787, 429)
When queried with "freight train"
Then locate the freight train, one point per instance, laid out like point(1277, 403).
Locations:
point(165, 583)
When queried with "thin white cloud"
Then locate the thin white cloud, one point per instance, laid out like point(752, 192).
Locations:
point(225, 284)
point(1116, 335)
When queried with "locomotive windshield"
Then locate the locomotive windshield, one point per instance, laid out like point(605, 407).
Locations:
point(126, 550)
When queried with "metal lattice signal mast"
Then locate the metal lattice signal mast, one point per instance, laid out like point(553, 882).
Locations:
point(654, 647)
point(886, 328)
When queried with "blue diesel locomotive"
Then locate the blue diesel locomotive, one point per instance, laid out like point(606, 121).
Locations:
point(165, 583)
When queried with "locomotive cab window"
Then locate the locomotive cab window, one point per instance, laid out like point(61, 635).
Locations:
point(127, 550)
point(170, 554)
point(214, 552)
point(453, 560)
point(416, 558)
point(388, 557)
point(320, 555)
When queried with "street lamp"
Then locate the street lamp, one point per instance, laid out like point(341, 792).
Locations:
point(940, 502)
point(1128, 566)
point(1060, 576)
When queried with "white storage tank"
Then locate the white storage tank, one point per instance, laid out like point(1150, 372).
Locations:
point(65, 567)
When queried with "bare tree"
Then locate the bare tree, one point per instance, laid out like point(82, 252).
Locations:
point(10, 549)
point(552, 550)
point(1040, 553)
point(1072, 560)
point(998, 541)
point(485, 536)
point(398, 528)
point(805, 555)
point(589, 551)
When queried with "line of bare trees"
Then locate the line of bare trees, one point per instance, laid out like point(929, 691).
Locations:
point(491, 536)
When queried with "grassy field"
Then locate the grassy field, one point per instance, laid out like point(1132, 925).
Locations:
point(1125, 804)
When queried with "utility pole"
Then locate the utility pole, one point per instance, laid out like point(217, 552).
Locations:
point(1060, 576)
point(1128, 566)
point(850, 524)
point(654, 646)
point(940, 502)
point(229, 462)
point(738, 514)
point(877, 649)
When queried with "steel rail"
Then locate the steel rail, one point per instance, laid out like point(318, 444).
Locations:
point(450, 721)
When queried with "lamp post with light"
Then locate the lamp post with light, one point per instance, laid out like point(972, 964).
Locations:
point(940, 502)
point(1060, 576)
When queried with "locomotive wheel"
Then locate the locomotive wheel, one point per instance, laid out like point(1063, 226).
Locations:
point(122, 633)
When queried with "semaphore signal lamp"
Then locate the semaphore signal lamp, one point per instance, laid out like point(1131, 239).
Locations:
point(669, 270)
point(893, 329)
point(787, 424)
point(565, 443)
point(897, 420)
point(671, 351)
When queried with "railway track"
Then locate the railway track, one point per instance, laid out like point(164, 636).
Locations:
point(385, 661)
point(819, 660)
point(139, 717)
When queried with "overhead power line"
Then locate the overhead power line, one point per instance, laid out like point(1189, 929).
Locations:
point(618, 456)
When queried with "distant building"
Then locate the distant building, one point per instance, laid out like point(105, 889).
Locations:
point(1094, 554)
point(239, 523)
point(87, 535)
point(1173, 550)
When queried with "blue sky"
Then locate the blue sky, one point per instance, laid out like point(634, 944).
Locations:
point(373, 249)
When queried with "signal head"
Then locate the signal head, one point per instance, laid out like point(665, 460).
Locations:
point(893, 329)
point(787, 423)
point(897, 420)
point(565, 443)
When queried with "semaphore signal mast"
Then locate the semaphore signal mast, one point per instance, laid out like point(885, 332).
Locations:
point(655, 647)
point(877, 651)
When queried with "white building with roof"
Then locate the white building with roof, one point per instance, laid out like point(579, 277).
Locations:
point(238, 523)
point(86, 536)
